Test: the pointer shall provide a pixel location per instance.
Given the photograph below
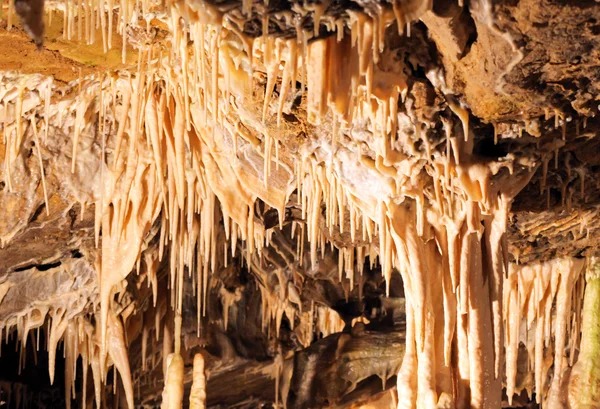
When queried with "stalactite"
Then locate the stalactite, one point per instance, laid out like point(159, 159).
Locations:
point(582, 389)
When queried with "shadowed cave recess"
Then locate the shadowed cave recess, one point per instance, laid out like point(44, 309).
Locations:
point(299, 204)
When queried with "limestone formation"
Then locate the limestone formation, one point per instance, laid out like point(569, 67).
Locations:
point(305, 204)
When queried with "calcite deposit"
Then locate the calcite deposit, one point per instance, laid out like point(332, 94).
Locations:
point(306, 204)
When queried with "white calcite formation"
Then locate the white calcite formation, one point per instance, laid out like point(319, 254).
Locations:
point(196, 135)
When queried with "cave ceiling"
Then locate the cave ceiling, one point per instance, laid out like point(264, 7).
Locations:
point(301, 204)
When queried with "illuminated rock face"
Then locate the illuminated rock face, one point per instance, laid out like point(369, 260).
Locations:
point(308, 205)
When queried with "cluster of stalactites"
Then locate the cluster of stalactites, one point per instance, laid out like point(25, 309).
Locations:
point(172, 129)
point(543, 310)
point(185, 130)
point(228, 71)
point(71, 324)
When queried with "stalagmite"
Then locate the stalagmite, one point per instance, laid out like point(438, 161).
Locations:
point(172, 397)
point(198, 391)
